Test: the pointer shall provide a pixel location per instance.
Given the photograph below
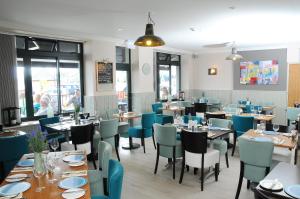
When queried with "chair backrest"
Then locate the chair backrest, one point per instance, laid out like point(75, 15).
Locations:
point(292, 113)
point(194, 142)
point(81, 115)
point(282, 128)
point(115, 179)
point(263, 151)
point(242, 123)
point(44, 121)
point(156, 107)
point(165, 134)
point(81, 134)
point(222, 123)
point(104, 155)
point(12, 149)
point(190, 110)
point(108, 128)
point(210, 115)
point(200, 107)
point(187, 117)
point(148, 120)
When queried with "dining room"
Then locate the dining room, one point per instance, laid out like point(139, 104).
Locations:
point(112, 99)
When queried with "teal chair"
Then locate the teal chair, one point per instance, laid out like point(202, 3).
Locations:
point(108, 131)
point(160, 118)
point(167, 144)
point(187, 117)
point(12, 149)
point(115, 180)
point(292, 114)
point(50, 132)
point(145, 130)
point(98, 178)
point(241, 124)
point(221, 144)
point(256, 161)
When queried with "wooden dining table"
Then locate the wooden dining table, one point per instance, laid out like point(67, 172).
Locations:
point(258, 117)
point(51, 190)
point(11, 133)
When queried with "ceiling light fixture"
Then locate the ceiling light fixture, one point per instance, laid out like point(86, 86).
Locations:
point(149, 39)
point(234, 56)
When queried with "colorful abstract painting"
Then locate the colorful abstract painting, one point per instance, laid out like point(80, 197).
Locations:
point(259, 72)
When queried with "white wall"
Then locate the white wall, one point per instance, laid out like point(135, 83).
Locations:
point(224, 78)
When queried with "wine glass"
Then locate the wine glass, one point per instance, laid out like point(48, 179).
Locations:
point(61, 118)
point(252, 109)
point(203, 121)
point(86, 115)
point(259, 109)
point(209, 123)
point(275, 127)
point(39, 173)
point(51, 165)
point(54, 144)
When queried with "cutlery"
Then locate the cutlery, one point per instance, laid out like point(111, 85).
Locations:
point(75, 191)
point(18, 177)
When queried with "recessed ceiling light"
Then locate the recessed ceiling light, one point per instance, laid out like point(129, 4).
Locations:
point(232, 7)
point(120, 29)
point(192, 29)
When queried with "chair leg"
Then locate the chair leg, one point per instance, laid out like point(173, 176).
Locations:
point(217, 170)
point(248, 184)
point(157, 159)
point(153, 140)
point(143, 143)
point(227, 162)
point(234, 144)
point(182, 169)
point(116, 147)
point(240, 181)
point(174, 161)
point(187, 168)
point(195, 171)
point(94, 161)
point(105, 186)
point(202, 172)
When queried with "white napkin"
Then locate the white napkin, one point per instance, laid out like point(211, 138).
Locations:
point(79, 173)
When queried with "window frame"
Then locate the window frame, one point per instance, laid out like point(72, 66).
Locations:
point(27, 55)
point(170, 64)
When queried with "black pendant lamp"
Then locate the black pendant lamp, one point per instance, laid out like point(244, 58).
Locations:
point(149, 39)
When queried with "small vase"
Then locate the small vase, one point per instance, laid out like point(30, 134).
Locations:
point(76, 117)
point(39, 164)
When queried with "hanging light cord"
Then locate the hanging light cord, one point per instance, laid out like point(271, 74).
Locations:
point(150, 20)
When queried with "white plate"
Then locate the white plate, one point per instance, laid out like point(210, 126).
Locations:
point(16, 177)
point(73, 158)
point(76, 164)
point(14, 188)
point(272, 185)
point(73, 193)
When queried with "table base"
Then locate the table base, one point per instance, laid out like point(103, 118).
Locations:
point(133, 146)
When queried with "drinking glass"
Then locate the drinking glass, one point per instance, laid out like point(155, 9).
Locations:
point(203, 121)
point(54, 144)
point(275, 127)
point(51, 165)
point(252, 109)
point(209, 123)
point(259, 109)
point(86, 115)
point(61, 118)
point(39, 173)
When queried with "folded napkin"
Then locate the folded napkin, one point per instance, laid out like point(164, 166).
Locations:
point(218, 128)
point(74, 152)
point(79, 173)
point(20, 195)
point(22, 169)
point(270, 133)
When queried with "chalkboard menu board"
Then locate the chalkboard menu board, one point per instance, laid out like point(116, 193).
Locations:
point(104, 73)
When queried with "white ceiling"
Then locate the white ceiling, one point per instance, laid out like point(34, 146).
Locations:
point(251, 23)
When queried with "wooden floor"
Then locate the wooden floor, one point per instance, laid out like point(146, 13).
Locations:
point(140, 181)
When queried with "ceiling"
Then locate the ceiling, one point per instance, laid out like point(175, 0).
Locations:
point(249, 23)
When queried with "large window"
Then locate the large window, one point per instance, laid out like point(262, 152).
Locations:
point(123, 76)
point(168, 76)
point(49, 76)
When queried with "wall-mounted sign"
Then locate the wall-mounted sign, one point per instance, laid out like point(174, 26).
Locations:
point(104, 72)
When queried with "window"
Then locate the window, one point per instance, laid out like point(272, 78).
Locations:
point(49, 77)
point(168, 76)
point(123, 76)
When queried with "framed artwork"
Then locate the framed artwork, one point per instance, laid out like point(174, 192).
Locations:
point(104, 71)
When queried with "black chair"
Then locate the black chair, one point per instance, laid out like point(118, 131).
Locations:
point(200, 107)
point(190, 110)
point(217, 115)
point(195, 153)
point(84, 134)
point(282, 129)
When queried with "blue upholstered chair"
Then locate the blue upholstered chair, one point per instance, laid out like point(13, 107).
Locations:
point(115, 180)
point(292, 114)
point(187, 117)
point(51, 133)
point(12, 149)
point(145, 130)
point(254, 167)
point(98, 178)
point(241, 124)
point(167, 145)
point(221, 144)
point(108, 131)
point(160, 118)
